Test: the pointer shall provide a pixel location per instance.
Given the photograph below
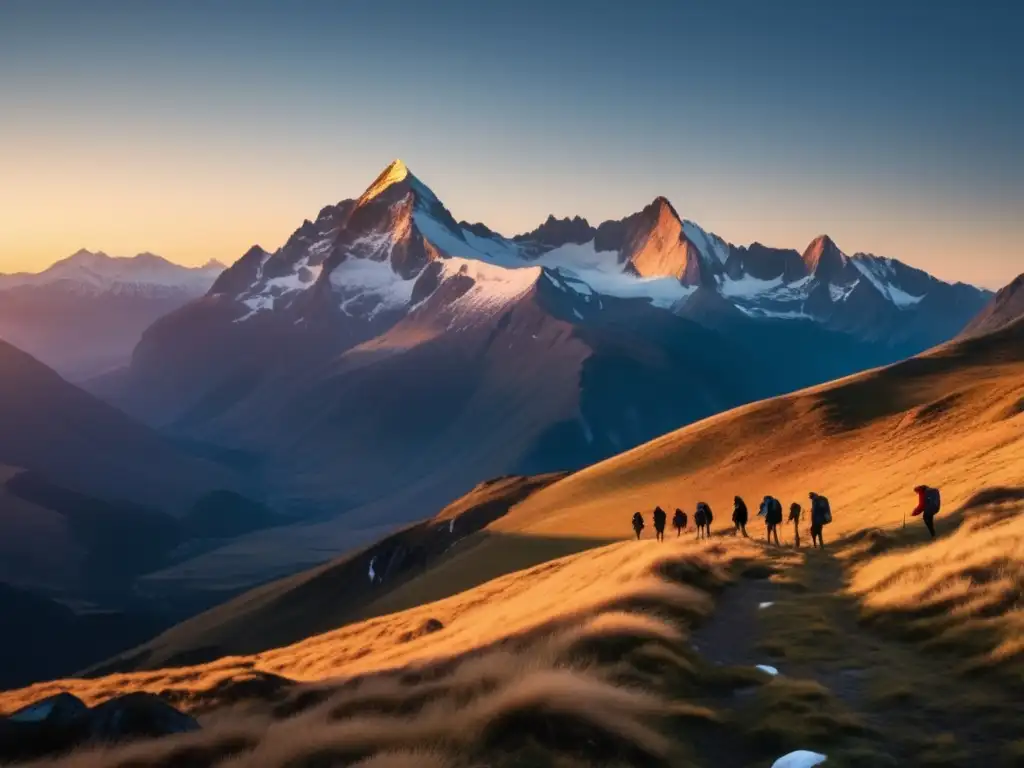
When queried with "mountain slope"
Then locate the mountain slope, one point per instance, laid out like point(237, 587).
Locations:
point(332, 595)
point(1006, 308)
point(82, 478)
point(85, 314)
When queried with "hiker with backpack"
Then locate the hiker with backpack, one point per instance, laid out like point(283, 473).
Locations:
point(821, 515)
point(703, 517)
point(679, 522)
point(739, 515)
point(794, 518)
point(638, 524)
point(659, 523)
point(928, 503)
point(771, 511)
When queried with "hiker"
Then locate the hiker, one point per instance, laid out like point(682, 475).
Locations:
point(659, 523)
point(794, 518)
point(679, 522)
point(638, 524)
point(702, 518)
point(739, 515)
point(928, 503)
point(771, 511)
point(821, 515)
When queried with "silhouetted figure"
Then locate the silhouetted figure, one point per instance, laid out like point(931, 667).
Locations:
point(660, 518)
point(771, 511)
point(928, 503)
point(794, 518)
point(821, 515)
point(703, 518)
point(679, 522)
point(739, 515)
point(638, 524)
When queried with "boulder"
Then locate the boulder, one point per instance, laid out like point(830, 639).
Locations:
point(137, 715)
point(60, 723)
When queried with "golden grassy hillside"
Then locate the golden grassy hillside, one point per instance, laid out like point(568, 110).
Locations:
point(894, 649)
point(952, 418)
point(561, 664)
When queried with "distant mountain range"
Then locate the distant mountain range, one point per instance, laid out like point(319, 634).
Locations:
point(388, 357)
point(85, 314)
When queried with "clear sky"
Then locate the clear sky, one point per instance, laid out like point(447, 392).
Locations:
point(196, 129)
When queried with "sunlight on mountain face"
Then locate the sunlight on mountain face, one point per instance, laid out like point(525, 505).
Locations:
point(393, 174)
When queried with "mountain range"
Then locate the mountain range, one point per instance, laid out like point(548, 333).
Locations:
point(84, 315)
point(388, 357)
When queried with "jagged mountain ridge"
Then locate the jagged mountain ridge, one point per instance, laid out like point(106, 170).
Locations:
point(653, 254)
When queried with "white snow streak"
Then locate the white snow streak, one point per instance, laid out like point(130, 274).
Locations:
point(712, 247)
point(876, 271)
point(748, 287)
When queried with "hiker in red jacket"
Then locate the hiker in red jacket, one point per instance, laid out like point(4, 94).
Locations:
point(928, 503)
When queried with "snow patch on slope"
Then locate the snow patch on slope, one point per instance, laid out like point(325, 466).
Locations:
point(602, 271)
point(748, 287)
point(840, 293)
point(357, 280)
point(880, 273)
point(494, 287)
point(711, 247)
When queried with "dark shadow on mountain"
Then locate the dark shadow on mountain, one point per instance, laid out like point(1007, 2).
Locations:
point(43, 639)
point(340, 592)
point(994, 495)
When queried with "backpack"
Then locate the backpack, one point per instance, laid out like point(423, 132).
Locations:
point(932, 499)
point(774, 510)
point(821, 503)
point(708, 517)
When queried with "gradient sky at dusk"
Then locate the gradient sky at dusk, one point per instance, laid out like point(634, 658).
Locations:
point(195, 129)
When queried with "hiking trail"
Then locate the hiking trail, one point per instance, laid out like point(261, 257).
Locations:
point(892, 703)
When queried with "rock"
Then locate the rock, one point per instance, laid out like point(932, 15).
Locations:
point(60, 723)
point(802, 758)
point(49, 726)
point(762, 606)
point(62, 708)
point(135, 715)
point(768, 670)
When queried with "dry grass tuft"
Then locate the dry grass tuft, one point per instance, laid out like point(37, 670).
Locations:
point(567, 711)
point(577, 662)
point(961, 593)
point(799, 714)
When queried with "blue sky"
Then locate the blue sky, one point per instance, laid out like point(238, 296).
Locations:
point(195, 129)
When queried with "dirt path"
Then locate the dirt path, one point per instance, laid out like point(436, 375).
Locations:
point(912, 710)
